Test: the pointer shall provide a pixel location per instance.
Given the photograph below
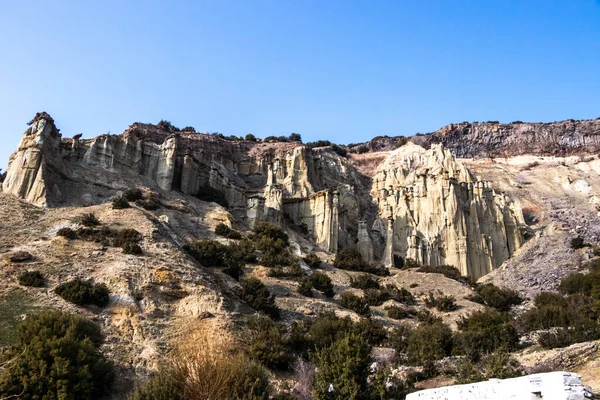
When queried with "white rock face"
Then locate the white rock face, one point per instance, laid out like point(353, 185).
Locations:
point(36, 166)
point(547, 386)
point(440, 215)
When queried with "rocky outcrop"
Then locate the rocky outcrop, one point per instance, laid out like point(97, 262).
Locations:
point(493, 139)
point(36, 167)
point(433, 211)
point(420, 204)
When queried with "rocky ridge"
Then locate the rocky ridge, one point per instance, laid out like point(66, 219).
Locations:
point(494, 139)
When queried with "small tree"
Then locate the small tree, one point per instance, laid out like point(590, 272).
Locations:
point(342, 369)
point(56, 357)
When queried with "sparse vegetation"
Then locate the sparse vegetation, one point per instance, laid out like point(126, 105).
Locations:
point(267, 343)
point(88, 219)
point(578, 243)
point(485, 332)
point(364, 281)
point(133, 195)
point(441, 302)
point(273, 242)
point(225, 231)
point(448, 271)
point(355, 303)
point(305, 287)
point(396, 312)
point(231, 258)
point(120, 203)
point(429, 342)
point(313, 261)
point(344, 365)
point(350, 258)
point(32, 278)
point(495, 297)
point(499, 365)
point(56, 357)
point(83, 293)
point(67, 233)
point(257, 296)
point(322, 283)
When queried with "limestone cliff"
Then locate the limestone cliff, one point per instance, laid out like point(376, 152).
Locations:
point(421, 204)
point(433, 211)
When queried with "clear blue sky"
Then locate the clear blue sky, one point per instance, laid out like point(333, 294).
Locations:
point(338, 70)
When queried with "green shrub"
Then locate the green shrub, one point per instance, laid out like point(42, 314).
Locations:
point(273, 242)
point(84, 293)
point(401, 295)
point(375, 297)
point(345, 366)
point(120, 203)
point(548, 316)
point(133, 248)
point(56, 357)
point(355, 303)
point(267, 229)
point(209, 253)
point(225, 231)
point(349, 258)
point(578, 243)
point(485, 332)
point(322, 283)
point(267, 344)
point(580, 283)
point(32, 278)
point(429, 342)
point(232, 258)
point(545, 299)
point(88, 219)
point(583, 330)
point(257, 296)
point(427, 317)
point(500, 299)
point(67, 233)
point(128, 239)
point(133, 195)
point(398, 339)
point(293, 272)
point(499, 365)
point(396, 312)
point(305, 287)
point(410, 263)
point(167, 126)
point(364, 282)
point(442, 303)
point(148, 204)
point(313, 261)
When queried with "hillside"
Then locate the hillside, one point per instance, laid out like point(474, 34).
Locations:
point(409, 213)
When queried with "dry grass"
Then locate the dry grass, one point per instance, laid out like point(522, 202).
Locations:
point(211, 365)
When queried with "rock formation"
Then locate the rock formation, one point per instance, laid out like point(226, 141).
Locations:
point(493, 139)
point(421, 204)
point(438, 214)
